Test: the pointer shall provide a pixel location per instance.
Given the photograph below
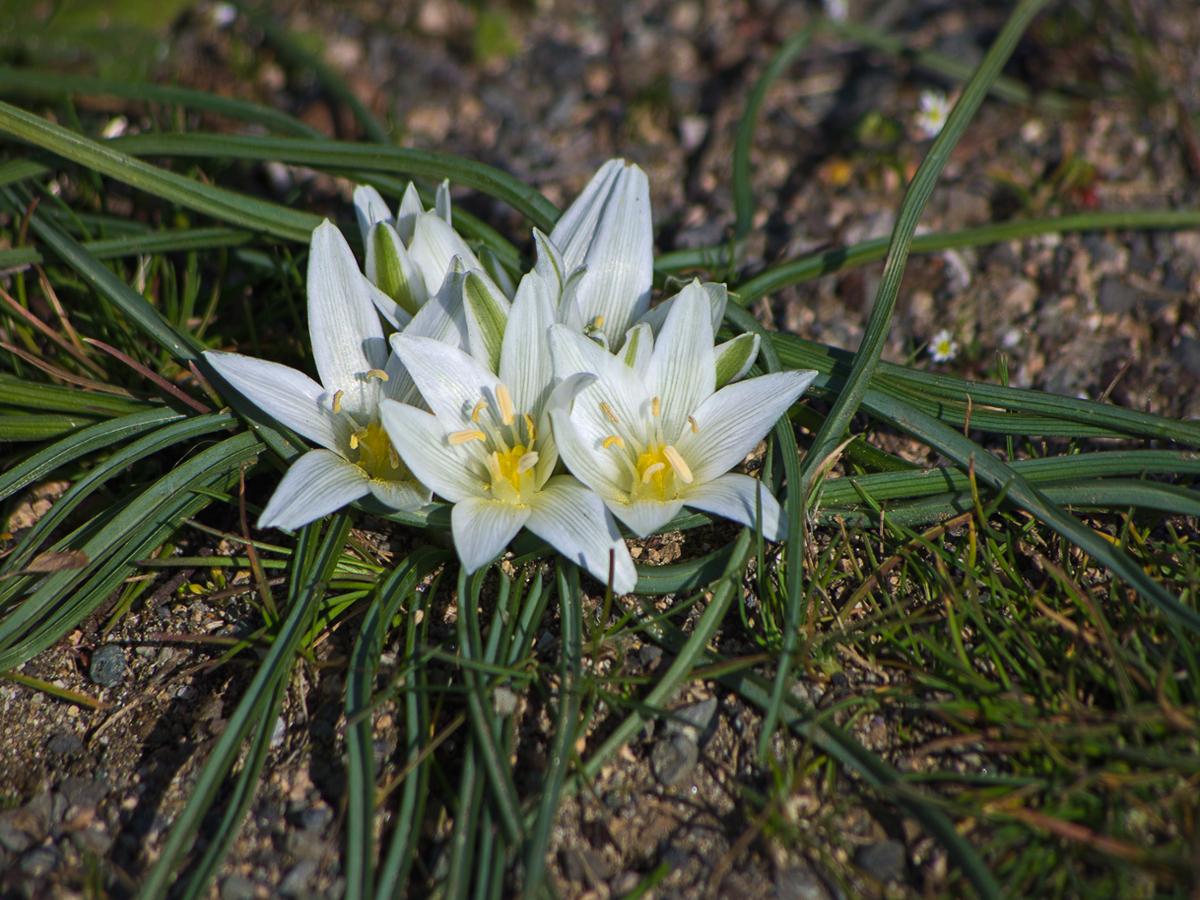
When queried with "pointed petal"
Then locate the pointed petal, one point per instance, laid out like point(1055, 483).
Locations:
point(638, 348)
point(370, 208)
point(647, 516)
point(576, 227)
point(451, 381)
point(390, 268)
point(483, 528)
point(317, 484)
point(682, 372)
point(581, 445)
point(735, 418)
point(421, 442)
point(525, 362)
point(486, 310)
point(347, 338)
point(391, 311)
point(441, 203)
point(400, 386)
point(718, 299)
point(287, 396)
point(735, 497)
point(573, 520)
point(442, 317)
point(406, 218)
point(734, 358)
point(550, 264)
point(406, 495)
point(434, 246)
point(496, 271)
point(616, 383)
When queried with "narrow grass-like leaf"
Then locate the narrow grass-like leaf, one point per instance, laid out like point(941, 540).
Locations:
point(22, 428)
point(312, 567)
point(865, 360)
point(21, 392)
point(144, 244)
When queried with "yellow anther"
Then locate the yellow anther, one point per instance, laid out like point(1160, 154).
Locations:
point(377, 373)
point(598, 322)
point(678, 464)
point(655, 407)
point(337, 401)
point(479, 407)
point(393, 458)
point(504, 398)
point(614, 439)
point(612, 417)
point(354, 441)
point(527, 462)
point(695, 427)
point(530, 427)
point(459, 438)
point(651, 471)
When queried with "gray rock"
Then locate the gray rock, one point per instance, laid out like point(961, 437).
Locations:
point(505, 701)
point(39, 861)
point(94, 839)
point(800, 882)
point(673, 759)
point(692, 721)
point(649, 655)
point(235, 887)
point(1187, 353)
point(41, 811)
point(317, 818)
point(296, 880)
point(585, 866)
point(108, 665)
point(83, 791)
point(65, 743)
point(336, 889)
point(1115, 296)
point(885, 860)
point(306, 845)
point(12, 837)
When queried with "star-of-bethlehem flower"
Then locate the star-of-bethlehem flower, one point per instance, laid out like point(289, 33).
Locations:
point(935, 108)
point(487, 445)
point(942, 346)
point(341, 414)
point(651, 432)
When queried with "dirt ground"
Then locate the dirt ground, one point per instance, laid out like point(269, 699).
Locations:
point(550, 93)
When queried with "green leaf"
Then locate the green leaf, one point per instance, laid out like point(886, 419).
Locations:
point(735, 357)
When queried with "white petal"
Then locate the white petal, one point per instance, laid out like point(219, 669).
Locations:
point(450, 381)
point(647, 516)
point(576, 227)
point(682, 371)
point(392, 270)
point(421, 442)
point(616, 384)
point(406, 495)
point(483, 528)
point(391, 311)
point(525, 362)
point(287, 396)
point(433, 248)
point(574, 521)
point(735, 418)
point(734, 497)
point(317, 484)
point(406, 218)
point(442, 317)
point(550, 264)
point(347, 338)
point(619, 257)
point(369, 208)
point(718, 298)
point(638, 348)
point(441, 202)
point(599, 469)
point(486, 311)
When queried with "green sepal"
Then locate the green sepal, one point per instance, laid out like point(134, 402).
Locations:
point(391, 269)
point(486, 308)
point(734, 358)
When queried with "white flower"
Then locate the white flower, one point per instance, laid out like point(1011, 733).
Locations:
point(836, 10)
point(342, 412)
point(935, 107)
point(942, 348)
point(487, 446)
point(408, 256)
point(650, 432)
point(608, 230)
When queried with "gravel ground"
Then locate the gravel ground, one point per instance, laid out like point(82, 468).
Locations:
point(547, 91)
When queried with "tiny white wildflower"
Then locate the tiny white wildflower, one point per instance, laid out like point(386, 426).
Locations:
point(942, 348)
point(935, 107)
point(223, 14)
point(115, 128)
point(836, 10)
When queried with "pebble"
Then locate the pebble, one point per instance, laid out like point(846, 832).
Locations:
point(65, 743)
point(800, 882)
point(693, 720)
point(505, 701)
point(12, 837)
point(305, 845)
point(108, 665)
point(885, 860)
point(39, 861)
point(297, 879)
point(317, 818)
point(585, 866)
point(1115, 296)
point(673, 759)
point(1187, 353)
point(94, 839)
point(235, 887)
point(83, 791)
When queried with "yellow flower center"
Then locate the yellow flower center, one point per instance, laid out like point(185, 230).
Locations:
point(510, 458)
point(376, 456)
point(660, 471)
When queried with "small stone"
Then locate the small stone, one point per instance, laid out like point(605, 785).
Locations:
point(693, 720)
point(1187, 353)
point(505, 701)
point(297, 879)
point(94, 839)
point(39, 861)
point(674, 758)
point(649, 655)
point(12, 837)
point(305, 845)
point(1115, 296)
point(885, 860)
point(585, 866)
point(800, 882)
point(236, 887)
point(65, 743)
point(279, 732)
point(317, 818)
point(108, 665)
point(336, 889)
point(83, 791)
point(625, 883)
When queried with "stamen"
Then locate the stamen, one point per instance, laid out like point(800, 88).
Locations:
point(530, 427)
point(393, 458)
point(377, 373)
point(527, 462)
point(655, 407)
point(608, 412)
point(614, 439)
point(695, 427)
point(479, 407)
point(504, 398)
point(337, 401)
point(677, 463)
point(354, 441)
point(598, 322)
point(459, 438)
point(651, 471)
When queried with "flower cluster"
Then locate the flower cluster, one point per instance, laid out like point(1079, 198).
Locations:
point(555, 405)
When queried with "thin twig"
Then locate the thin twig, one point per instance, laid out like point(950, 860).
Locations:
point(152, 376)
